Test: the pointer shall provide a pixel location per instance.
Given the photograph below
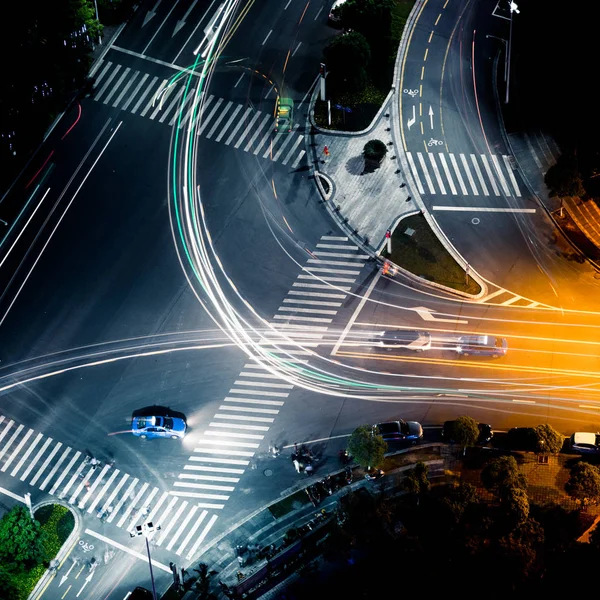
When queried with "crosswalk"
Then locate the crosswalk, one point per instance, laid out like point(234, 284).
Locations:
point(462, 174)
point(224, 450)
point(233, 124)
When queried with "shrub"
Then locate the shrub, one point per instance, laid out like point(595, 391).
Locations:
point(374, 150)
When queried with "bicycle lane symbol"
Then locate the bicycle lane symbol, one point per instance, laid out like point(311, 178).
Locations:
point(85, 546)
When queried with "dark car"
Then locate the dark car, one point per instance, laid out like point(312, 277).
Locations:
point(585, 443)
point(400, 430)
point(481, 345)
point(485, 433)
point(522, 438)
point(140, 593)
point(404, 338)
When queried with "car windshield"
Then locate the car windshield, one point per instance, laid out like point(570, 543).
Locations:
point(404, 428)
point(167, 423)
point(388, 428)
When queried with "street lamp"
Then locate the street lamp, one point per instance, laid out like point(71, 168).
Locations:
point(513, 9)
point(146, 529)
point(97, 19)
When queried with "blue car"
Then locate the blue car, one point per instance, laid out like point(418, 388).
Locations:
point(158, 427)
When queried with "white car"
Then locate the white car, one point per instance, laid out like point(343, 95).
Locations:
point(405, 338)
point(332, 16)
point(585, 443)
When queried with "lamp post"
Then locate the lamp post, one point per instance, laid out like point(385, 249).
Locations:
point(513, 9)
point(146, 529)
point(97, 19)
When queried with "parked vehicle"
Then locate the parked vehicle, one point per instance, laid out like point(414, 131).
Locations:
point(404, 338)
point(334, 18)
point(585, 443)
point(400, 430)
point(481, 345)
point(485, 433)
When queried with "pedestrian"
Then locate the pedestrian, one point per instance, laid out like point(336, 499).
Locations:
point(308, 469)
point(295, 448)
point(296, 465)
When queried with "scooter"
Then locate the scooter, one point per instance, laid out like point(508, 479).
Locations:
point(348, 474)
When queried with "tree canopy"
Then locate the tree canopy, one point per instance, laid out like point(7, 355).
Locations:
point(584, 484)
point(466, 431)
point(548, 439)
point(347, 58)
point(502, 474)
point(21, 539)
point(367, 447)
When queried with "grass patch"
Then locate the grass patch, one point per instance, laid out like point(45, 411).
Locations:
point(424, 255)
point(289, 504)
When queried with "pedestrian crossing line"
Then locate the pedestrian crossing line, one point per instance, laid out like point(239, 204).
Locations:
point(261, 375)
point(511, 175)
point(327, 278)
point(311, 302)
point(413, 168)
point(182, 527)
point(220, 118)
point(151, 102)
point(316, 295)
point(175, 101)
point(206, 488)
point(115, 88)
point(256, 401)
point(305, 319)
point(321, 286)
point(103, 491)
point(133, 94)
point(186, 105)
point(229, 122)
point(436, 172)
point(486, 166)
point(192, 531)
point(334, 238)
point(314, 311)
point(248, 129)
point(163, 517)
point(211, 450)
point(167, 529)
point(447, 172)
point(243, 119)
point(11, 440)
point(326, 254)
point(214, 469)
point(293, 149)
point(465, 164)
point(257, 132)
point(246, 418)
point(98, 95)
point(262, 141)
point(93, 487)
point(130, 82)
point(479, 175)
point(16, 451)
point(104, 71)
point(206, 120)
point(337, 263)
point(46, 463)
point(283, 386)
point(286, 142)
point(127, 496)
point(426, 173)
point(299, 159)
point(239, 426)
point(201, 537)
point(26, 455)
point(144, 95)
point(500, 175)
point(233, 434)
point(64, 474)
point(329, 270)
point(224, 461)
point(337, 247)
point(114, 493)
point(159, 100)
point(209, 477)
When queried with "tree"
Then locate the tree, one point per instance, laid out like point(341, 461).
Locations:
point(548, 439)
point(203, 582)
point(416, 481)
point(367, 447)
point(372, 18)
point(347, 58)
point(374, 150)
point(517, 505)
point(21, 538)
point(502, 474)
point(459, 497)
point(466, 431)
point(564, 178)
point(584, 484)
point(8, 589)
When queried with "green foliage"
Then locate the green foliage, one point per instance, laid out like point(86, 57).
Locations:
point(202, 584)
point(548, 439)
point(374, 150)
point(517, 505)
point(458, 498)
point(416, 481)
point(21, 539)
point(367, 447)
point(466, 431)
point(584, 484)
point(372, 18)
point(8, 588)
point(564, 178)
point(502, 474)
point(347, 58)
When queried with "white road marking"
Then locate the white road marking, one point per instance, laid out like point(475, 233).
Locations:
point(436, 172)
point(500, 175)
point(447, 172)
point(479, 175)
point(426, 173)
point(413, 168)
point(509, 170)
point(465, 165)
point(490, 175)
point(481, 209)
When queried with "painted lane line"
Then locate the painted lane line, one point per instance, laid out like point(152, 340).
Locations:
point(524, 401)
point(413, 168)
point(243, 119)
point(426, 173)
point(511, 175)
point(54, 468)
point(481, 209)
point(256, 401)
point(268, 35)
point(229, 121)
point(239, 79)
point(257, 132)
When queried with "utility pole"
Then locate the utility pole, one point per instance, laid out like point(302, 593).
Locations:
point(513, 9)
point(146, 529)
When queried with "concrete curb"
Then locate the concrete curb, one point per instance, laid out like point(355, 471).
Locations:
point(64, 551)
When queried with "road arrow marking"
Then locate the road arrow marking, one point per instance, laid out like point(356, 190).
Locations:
point(87, 580)
point(431, 117)
point(181, 22)
point(66, 575)
point(151, 14)
point(425, 314)
point(412, 121)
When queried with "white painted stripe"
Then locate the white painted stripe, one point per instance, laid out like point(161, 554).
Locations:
point(125, 496)
point(257, 132)
point(94, 485)
point(12, 438)
point(524, 401)
point(241, 121)
point(415, 172)
point(114, 493)
point(182, 527)
point(192, 531)
point(436, 172)
point(257, 401)
point(480, 209)
point(284, 386)
point(103, 491)
point(492, 295)
point(267, 411)
point(532, 305)
point(165, 530)
point(207, 487)
point(54, 468)
point(147, 91)
point(214, 469)
point(239, 426)
point(35, 461)
point(187, 107)
point(116, 86)
point(509, 170)
point(194, 105)
point(479, 175)
point(337, 263)
point(511, 300)
point(339, 246)
point(304, 319)
point(246, 418)
point(247, 130)
point(465, 165)
point(286, 142)
point(160, 100)
point(26, 455)
point(326, 254)
point(448, 175)
point(218, 442)
point(126, 88)
point(426, 173)
point(102, 74)
point(262, 375)
point(134, 93)
point(263, 140)
point(169, 108)
point(205, 450)
point(208, 478)
point(486, 166)
point(334, 238)
point(204, 121)
point(314, 311)
point(327, 278)
point(311, 302)
point(65, 471)
point(16, 451)
point(222, 461)
point(152, 102)
point(200, 111)
point(98, 94)
point(292, 150)
point(317, 294)
point(229, 121)
point(222, 115)
point(155, 508)
point(206, 529)
point(312, 269)
point(297, 161)
point(163, 519)
point(500, 174)
point(322, 286)
point(133, 504)
point(231, 434)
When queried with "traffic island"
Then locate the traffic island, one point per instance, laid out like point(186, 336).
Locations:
point(416, 248)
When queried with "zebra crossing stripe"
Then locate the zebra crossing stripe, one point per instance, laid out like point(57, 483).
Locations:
point(188, 102)
point(262, 141)
point(426, 173)
point(292, 150)
point(114, 493)
point(413, 168)
point(26, 455)
point(182, 527)
point(286, 142)
point(205, 121)
point(257, 132)
point(134, 93)
point(248, 129)
point(116, 86)
point(479, 174)
point(201, 537)
point(103, 491)
point(297, 161)
point(500, 175)
point(126, 88)
point(171, 105)
point(219, 119)
point(490, 175)
point(229, 121)
point(35, 460)
point(511, 175)
point(195, 103)
point(241, 121)
point(145, 95)
point(16, 451)
point(107, 66)
point(167, 529)
point(160, 99)
point(436, 172)
point(465, 165)
point(11, 440)
point(447, 172)
point(98, 95)
point(63, 475)
point(192, 531)
point(200, 110)
point(54, 468)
